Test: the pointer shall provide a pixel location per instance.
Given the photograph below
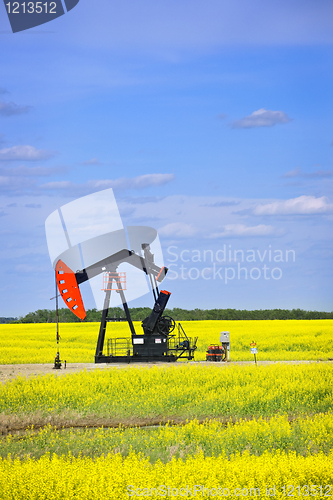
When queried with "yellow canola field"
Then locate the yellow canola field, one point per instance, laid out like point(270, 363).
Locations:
point(114, 478)
point(169, 391)
point(276, 340)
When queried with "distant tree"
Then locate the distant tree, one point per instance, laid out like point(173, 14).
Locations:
point(140, 313)
point(7, 320)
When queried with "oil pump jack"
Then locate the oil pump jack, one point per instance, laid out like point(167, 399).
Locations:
point(160, 340)
point(88, 242)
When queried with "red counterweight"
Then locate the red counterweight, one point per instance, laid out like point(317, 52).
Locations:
point(69, 289)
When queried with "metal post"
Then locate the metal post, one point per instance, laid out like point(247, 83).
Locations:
point(57, 310)
point(102, 328)
point(254, 351)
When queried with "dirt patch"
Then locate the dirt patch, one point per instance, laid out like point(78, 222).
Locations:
point(8, 372)
point(10, 424)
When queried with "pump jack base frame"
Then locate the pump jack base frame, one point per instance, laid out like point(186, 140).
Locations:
point(145, 349)
point(135, 359)
point(177, 348)
point(170, 358)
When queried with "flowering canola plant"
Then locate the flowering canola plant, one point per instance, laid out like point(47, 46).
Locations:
point(277, 340)
point(181, 390)
point(115, 477)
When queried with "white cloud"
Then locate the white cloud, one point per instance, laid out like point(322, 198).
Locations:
point(19, 186)
point(303, 205)
point(261, 118)
point(93, 161)
point(242, 230)
point(296, 172)
point(23, 171)
point(10, 108)
point(24, 180)
point(177, 229)
point(25, 153)
point(61, 186)
point(319, 174)
point(140, 182)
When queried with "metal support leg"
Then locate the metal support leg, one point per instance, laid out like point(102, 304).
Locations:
point(102, 328)
point(125, 306)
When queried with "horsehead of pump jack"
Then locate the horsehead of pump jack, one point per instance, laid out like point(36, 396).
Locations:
point(86, 238)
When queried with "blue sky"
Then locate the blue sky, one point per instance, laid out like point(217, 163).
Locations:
point(211, 120)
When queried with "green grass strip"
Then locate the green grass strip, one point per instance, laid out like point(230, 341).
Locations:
point(304, 436)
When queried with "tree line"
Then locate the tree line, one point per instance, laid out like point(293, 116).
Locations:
point(7, 320)
point(140, 313)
